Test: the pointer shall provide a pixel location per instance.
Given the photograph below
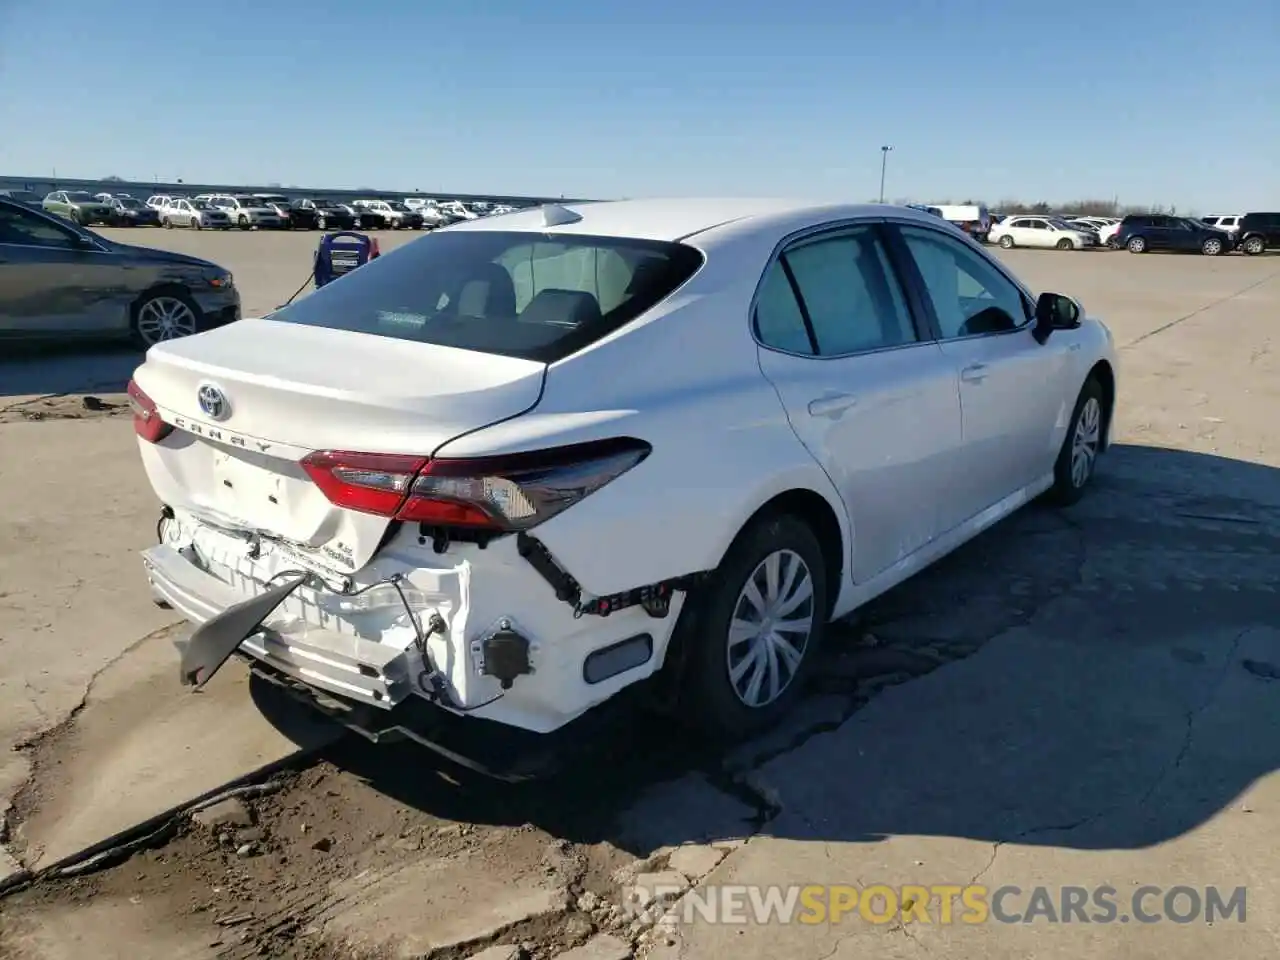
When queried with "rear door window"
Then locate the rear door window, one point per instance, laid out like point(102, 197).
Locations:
point(849, 293)
point(519, 294)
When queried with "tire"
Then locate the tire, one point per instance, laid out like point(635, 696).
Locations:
point(1211, 247)
point(1081, 447)
point(710, 701)
point(1137, 245)
point(1066, 244)
point(196, 224)
point(166, 314)
point(321, 223)
point(1113, 242)
point(1006, 242)
point(166, 223)
point(244, 223)
point(1254, 246)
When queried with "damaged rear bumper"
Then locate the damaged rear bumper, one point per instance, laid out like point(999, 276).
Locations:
point(482, 635)
point(368, 672)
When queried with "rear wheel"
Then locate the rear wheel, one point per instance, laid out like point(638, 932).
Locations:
point(166, 223)
point(1254, 246)
point(196, 224)
point(1066, 244)
point(1081, 446)
point(244, 222)
point(754, 629)
point(1137, 245)
point(1006, 242)
point(165, 315)
point(1211, 247)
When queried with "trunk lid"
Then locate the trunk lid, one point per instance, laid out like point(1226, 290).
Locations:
point(289, 389)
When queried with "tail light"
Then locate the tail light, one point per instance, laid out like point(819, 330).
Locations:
point(512, 492)
point(147, 422)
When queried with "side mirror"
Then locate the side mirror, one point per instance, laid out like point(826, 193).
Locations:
point(1054, 311)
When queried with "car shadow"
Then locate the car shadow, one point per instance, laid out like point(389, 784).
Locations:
point(1093, 677)
point(31, 370)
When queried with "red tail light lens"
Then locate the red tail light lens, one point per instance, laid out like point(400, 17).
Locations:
point(513, 492)
point(147, 422)
point(368, 482)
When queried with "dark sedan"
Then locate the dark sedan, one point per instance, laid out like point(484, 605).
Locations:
point(134, 213)
point(333, 216)
point(58, 280)
point(302, 215)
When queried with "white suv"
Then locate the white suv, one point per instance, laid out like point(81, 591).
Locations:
point(1227, 222)
point(247, 212)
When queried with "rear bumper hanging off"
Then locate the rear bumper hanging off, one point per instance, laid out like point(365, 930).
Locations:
point(378, 674)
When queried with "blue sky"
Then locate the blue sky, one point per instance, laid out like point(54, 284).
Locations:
point(1156, 101)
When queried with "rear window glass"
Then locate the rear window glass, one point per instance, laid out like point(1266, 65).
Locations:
point(529, 295)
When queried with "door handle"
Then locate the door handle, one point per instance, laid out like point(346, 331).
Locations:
point(831, 405)
point(974, 374)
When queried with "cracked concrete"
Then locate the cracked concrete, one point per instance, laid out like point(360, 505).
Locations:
point(95, 732)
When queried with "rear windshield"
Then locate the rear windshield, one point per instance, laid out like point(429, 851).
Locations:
point(534, 296)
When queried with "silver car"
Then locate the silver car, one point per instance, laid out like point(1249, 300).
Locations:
point(197, 214)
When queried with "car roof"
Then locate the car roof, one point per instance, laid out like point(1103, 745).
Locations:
point(679, 219)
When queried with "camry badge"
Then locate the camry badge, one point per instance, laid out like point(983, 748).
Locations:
point(213, 402)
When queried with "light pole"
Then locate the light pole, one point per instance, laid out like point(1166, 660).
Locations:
point(884, 162)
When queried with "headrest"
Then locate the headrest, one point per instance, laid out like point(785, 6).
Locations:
point(566, 307)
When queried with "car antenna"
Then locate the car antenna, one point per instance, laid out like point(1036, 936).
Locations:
point(557, 215)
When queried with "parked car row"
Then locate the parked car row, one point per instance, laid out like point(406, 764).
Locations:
point(1249, 233)
point(224, 211)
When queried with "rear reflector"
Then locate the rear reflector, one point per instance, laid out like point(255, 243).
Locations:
point(147, 422)
point(512, 492)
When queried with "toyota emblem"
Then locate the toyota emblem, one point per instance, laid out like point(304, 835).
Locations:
point(213, 402)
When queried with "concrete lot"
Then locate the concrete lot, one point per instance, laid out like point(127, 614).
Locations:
point(1076, 698)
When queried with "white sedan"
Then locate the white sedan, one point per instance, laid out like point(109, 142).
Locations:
point(1050, 232)
point(522, 463)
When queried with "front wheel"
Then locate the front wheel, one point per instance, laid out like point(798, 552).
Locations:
point(167, 223)
point(1137, 245)
point(1254, 246)
point(754, 629)
point(1066, 244)
point(244, 222)
point(1080, 448)
point(1006, 242)
point(321, 223)
point(196, 224)
point(166, 315)
point(1211, 247)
